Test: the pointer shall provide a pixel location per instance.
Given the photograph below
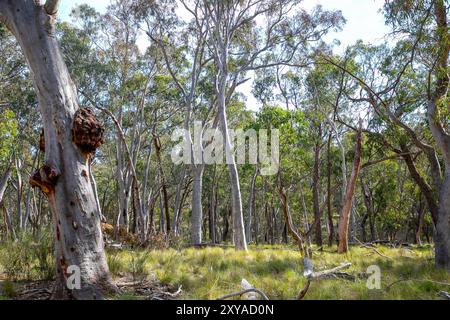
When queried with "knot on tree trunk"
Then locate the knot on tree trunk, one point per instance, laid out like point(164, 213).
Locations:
point(42, 141)
point(87, 131)
point(45, 179)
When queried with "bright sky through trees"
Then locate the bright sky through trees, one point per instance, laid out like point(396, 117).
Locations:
point(364, 21)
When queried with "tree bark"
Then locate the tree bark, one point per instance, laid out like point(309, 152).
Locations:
point(239, 240)
point(441, 136)
point(329, 210)
point(165, 198)
point(177, 205)
point(64, 179)
point(316, 187)
point(197, 209)
point(297, 236)
point(420, 222)
point(251, 205)
point(346, 208)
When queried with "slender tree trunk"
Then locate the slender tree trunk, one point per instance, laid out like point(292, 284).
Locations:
point(236, 200)
point(305, 213)
point(420, 222)
point(213, 208)
point(165, 198)
point(178, 197)
point(19, 190)
point(251, 206)
point(425, 188)
point(346, 209)
point(4, 182)
point(3, 186)
point(28, 202)
point(329, 210)
point(64, 178)
point(370, 212)
point(316, 187)
point(197, 209)
point(298, 238)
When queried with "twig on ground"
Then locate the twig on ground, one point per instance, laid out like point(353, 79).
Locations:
point(372, 248)
point(240, 293)
point(175, 294)
point(304, 291)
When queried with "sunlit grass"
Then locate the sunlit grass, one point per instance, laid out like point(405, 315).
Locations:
point(209, 273)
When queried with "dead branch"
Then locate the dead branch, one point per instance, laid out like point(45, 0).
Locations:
point(304, 291)
point(310, 275)
point(330, 272)
point(240, 293)
point(372, 248)
point(444, 294)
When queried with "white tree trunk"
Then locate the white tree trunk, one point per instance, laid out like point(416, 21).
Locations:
point(251, 200)
point(64, 177)
point(236, 200)
point(197, 210)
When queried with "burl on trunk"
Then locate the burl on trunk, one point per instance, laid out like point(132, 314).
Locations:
point(71, 137)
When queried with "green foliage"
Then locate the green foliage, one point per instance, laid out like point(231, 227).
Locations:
point(17, 259)
point(8, 132)
point(115, 264)
point(43, 252)
point(7, 289)
point(137, 265)
point(28, 258)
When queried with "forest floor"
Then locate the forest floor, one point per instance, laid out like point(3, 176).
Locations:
point(209, 273)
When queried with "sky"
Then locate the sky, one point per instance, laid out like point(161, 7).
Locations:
point(364, 21)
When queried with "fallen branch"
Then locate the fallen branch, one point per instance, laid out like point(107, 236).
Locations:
point(240, 293)
point(444, 294)
point(175, 294)
point(373, 249)
point(304, 291)
point(310, 275)
point(334, 271)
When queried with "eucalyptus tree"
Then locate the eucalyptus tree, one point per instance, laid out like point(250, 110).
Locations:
point(426, 25)
point(408, 79)
point(112, 71)
point(240, 45)
point(182, 42)
point(68, 152)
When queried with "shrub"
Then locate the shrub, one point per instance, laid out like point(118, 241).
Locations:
point(137, 265)
point(17, 259)
point(114, 262)
point(8, 289)
point(28, 257)
point(43, 252)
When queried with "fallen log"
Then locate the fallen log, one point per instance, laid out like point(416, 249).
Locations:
point(310, 275)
